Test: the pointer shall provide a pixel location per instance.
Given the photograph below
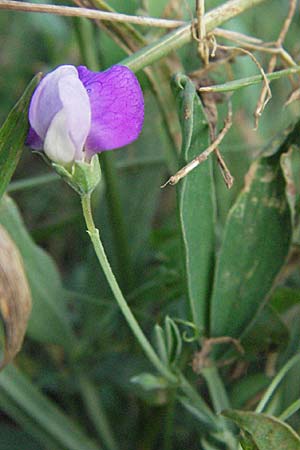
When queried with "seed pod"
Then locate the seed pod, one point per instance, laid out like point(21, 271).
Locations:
point(15, 297)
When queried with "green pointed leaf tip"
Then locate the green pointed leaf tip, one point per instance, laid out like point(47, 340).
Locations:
point(267, 432)
point(13, 134)
point(196, 201)
point(149, 382)
point(256, 242)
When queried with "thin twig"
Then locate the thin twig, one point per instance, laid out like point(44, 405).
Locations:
point(203, 156)
point(70, 11)
point(228, 178)
point(201, 359)
point(203, 47)
point(266, 87)
point(272, 63)
point(236, 36)
point(250, 43)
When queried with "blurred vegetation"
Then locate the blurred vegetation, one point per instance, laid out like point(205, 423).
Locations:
point(105, 350)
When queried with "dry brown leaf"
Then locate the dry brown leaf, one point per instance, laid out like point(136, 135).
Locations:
point(15, 297)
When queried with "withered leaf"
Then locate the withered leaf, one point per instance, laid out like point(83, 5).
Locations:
point(15, 297)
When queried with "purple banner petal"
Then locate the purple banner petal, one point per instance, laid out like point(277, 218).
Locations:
point(117, 107)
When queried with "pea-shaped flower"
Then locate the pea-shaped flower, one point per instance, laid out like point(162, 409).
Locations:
point(75, 113)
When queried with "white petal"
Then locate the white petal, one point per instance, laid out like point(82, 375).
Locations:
point(58, 144)
point(76, 103)
point(45, 102)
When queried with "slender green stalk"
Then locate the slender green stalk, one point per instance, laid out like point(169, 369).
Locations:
point(249, 81)
point(216, 389)
point(91, 399)
point(180, 381)
point(292, 409)
point(131, 320)
point(183, 35)
point(169, 424)
point(220, 402)
point(205, 413)
point(281, 374)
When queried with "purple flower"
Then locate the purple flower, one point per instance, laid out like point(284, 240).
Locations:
point(75, 113)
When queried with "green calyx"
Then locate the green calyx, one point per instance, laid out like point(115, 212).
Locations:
point(83, 177)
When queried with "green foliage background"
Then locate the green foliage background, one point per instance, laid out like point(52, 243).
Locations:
point(78, 348)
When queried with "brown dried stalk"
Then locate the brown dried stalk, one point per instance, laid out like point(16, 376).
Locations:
point(200, 35)
point(251, 43)
point(268, 93)
point(201, 359)
point(262, 101)
point(203, 156)
point(88, 13)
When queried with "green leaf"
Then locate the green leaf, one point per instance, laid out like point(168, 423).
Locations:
point(48, 321)
point(247, 443)
point(149, 382)
point(267, 432)
point(160, 343)
point(24, 403)
point(196, 199)
point(256, 243)
point(290, 163)
point(168, 341)
point(173, 340)
point(13, 134)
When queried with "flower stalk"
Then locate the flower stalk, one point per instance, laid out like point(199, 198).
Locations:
point(131, 320)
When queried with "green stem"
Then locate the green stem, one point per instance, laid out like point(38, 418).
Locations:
point(169, 424)
point(205, 414)
point(281, 374)
point(131, 320)
point(117, 221)
point(91, 399)
point(183, 35)
point(216, 389)
point(220, 402)
point(292, 409)
point(249, 81)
